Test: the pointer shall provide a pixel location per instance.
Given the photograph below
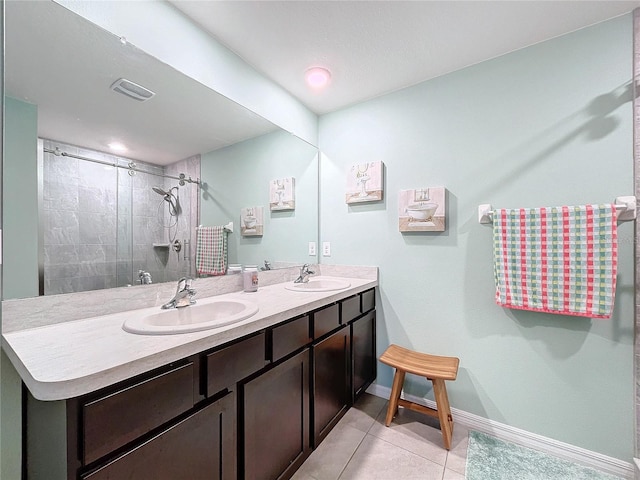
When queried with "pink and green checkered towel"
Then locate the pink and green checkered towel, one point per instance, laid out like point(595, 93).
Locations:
point(211, 251)
point(556, 259)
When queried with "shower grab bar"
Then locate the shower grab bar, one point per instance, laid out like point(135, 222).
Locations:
point(625, 206)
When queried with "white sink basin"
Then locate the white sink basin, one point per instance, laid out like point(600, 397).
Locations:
point(201, 316)
point(319, 284)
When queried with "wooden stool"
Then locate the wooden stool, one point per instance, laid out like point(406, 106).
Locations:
point(434, 368)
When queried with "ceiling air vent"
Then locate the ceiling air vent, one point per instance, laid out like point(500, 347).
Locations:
point(133, 90)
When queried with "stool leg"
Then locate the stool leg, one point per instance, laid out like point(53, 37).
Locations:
point(396, 389)
point(444, 411)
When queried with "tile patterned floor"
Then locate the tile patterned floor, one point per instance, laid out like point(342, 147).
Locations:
point(360, 447)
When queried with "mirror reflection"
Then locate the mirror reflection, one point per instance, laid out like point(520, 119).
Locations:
point(80, 215)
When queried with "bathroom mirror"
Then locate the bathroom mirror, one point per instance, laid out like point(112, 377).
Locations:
point(92, 217)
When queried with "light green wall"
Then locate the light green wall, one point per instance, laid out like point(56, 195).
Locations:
point(547, 125)
point(20, 188)
point(20, 272)
point(238, 176)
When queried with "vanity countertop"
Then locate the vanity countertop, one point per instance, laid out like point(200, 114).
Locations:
point(69, 359)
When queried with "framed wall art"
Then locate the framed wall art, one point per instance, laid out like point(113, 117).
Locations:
point(422, 210)
point(252, 221)
point(364, 182)
point(282, 194)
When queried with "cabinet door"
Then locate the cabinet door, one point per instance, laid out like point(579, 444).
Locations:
point(363, 347)
point(276, 420)
point(200, 447)
point(331, 386)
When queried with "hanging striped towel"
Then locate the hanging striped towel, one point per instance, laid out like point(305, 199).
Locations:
point(211, 251)
point(557, 259)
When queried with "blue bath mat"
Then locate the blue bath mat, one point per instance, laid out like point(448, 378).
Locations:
point(489, 458)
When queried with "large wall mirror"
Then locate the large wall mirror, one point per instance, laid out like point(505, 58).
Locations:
point(79, 216)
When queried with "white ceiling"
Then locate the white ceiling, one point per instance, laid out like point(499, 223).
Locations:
point(64, 64)
point(376, 47)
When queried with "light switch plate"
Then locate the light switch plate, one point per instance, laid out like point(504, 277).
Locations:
point(312, 248)
point(326, 249)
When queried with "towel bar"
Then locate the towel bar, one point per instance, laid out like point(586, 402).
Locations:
point(228, 227)
point(626, 207)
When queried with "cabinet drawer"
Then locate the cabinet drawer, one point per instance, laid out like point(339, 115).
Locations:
point(368, 300)
point(201, 446)
point(116, 419)
point(235, 362)
point(350, 308)
point(289, 337)
point(325, 320)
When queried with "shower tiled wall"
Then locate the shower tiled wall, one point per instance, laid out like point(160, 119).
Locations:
point(80, 204)
point(182, 264)
point(144, 215)
point(101, 224)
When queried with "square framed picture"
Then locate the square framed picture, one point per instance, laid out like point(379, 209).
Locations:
point(282, 194)
point(252, 221)
point(422, 210)
point(364, 182)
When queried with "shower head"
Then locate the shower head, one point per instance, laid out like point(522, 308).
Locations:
point(170, 198)
point(160, 191)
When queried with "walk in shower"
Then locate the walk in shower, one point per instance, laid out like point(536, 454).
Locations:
point(109, 221)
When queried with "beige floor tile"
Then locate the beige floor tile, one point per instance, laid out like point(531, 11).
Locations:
point(376, 459)
point(371, 404)
point(363, 414)
point(413, 432)
point(302, 475)
point(451, 475)
point(457, 457)
point(332, 455)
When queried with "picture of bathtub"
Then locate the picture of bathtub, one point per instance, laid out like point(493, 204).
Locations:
point(422, 210)
point(251, 221)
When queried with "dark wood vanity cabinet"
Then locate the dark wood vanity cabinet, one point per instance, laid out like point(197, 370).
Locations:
point(359, 313)
point(275, 420)
point(228, 365)
point(363, 354)
point(252, 409)
point(114, 419)
point(200, 446)
point(331, 383)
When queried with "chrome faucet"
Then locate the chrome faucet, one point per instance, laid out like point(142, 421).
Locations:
point(267, 265)
point(184, 295)
point(304, 274)
point(144, 277)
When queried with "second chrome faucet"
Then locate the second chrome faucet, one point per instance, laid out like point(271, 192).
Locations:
point(304, 274)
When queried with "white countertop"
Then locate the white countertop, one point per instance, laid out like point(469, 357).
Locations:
point(69, 359)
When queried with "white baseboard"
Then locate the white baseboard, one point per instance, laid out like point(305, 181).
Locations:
point(553, 447)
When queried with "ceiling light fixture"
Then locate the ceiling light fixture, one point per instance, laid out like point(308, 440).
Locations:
point(317, 77)
point(117, 147)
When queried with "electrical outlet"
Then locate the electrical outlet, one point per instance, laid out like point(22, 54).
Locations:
point(312, 249)
point(326, 249)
